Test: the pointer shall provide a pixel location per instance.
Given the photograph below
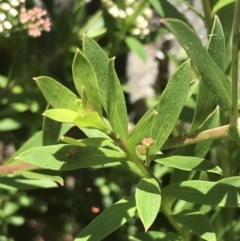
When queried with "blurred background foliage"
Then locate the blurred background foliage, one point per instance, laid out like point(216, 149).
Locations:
point(31, 46)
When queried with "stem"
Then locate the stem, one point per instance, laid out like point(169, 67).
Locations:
point(134, 158)
point(207, 14)
point(235, 49)
point(189, 139)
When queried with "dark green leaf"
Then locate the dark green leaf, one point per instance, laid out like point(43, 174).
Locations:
point(51, 131)
point(166, 9)
point(206, 99)
point(116, 106)
point(99, 61)
point(197, 223)
point(57, 95)
point(109, 220)
point(204, 192)
point(69, 157)
point(85, 78)
point(164, 120)
point(189, 163)
point(148, 201)
point(141, 129)
point(214, 78)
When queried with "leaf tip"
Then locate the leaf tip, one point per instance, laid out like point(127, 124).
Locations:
point(146, 229)
point(35, 78)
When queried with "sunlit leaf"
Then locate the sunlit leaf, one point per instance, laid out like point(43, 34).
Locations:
point(148, 201)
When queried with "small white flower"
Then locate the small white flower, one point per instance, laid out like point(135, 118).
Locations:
point(135, 31)
point(22, 1)
point(143, 24)
point(2, 16)
point(122, 14)
point(13, 12)
point(1, 28)
point(5, 6)
point(129, 11)
point(14, 3)
point(148, 13)
point(114, 11)
point(145, 31)
point(140, 19)
point(7, 25)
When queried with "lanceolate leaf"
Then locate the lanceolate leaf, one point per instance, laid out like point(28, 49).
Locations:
point(166, 9)
point(85, 77)
point(61, 115)
point(169, 107)
point(141, 129)
point(197, 223)
point(99, 62)
point(206, 99)
point(198, 150)
point(22, 183)
point(212, 76)
point(116, 106)
point(204, 192)
point(189, 163)
point(148, 201)
point(57, 95)
point(69, 157)
point(109, 220)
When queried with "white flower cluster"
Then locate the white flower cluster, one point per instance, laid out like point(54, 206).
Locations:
point(9, 9)
point(141, 27)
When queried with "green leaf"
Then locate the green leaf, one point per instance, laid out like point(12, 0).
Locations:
point(109, 220)
point(204, 192)
point(136, 46)
point(91, 120)
point(99, 62)
point(148, 201)
point(197, 223)
point(154, 236)
point(36, 175)
point(221, 4)
point(189, 163)
point(56, 157)
point(206, 99)
point(198, 150)
point(175, 94)
point(61, 115)
point(36, 141)
point(51, 131)
point(116, 106)
point(214, 78)
point(94, 142)
point(141, 129)
point(57, 95)
point(22, 183)
point(85, 78)
point(166, 9)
